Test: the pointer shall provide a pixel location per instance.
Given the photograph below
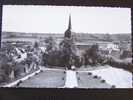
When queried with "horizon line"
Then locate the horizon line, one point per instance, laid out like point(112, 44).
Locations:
point(63, 33)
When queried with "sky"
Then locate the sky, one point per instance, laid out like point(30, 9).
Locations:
point(54, 19)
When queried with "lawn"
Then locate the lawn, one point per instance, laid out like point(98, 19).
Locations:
point(46, 79)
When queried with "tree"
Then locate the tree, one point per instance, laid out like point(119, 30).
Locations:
point(6, 66)
point(91, 55)
point(50, 44)
point(36, 45)
point(52, 55)
point(68, 50)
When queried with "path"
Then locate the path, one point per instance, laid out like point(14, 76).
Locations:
point(71, 79)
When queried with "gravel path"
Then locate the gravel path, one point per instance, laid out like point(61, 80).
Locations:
point(71, 79)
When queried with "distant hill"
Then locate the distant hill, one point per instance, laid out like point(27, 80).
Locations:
point(28, 35)
point(79, 36)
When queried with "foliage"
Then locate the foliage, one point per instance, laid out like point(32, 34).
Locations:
point(8, 64)
point(5, 67)
point(124, 65)
point(125, 54)
point(50, 44)
point(65, 56)
point(91, 56)
point(36, 45)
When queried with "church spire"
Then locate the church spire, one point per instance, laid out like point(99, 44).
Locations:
point(69, 25)
point(68, 31)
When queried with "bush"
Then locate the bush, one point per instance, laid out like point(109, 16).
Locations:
point(5, 70)
point(77, 61)
point(19, 68)
point(127, 66)
point(51, 59)
point(125, 54)
point(3, 76)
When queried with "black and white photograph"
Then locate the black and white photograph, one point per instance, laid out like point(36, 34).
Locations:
point(45, 46)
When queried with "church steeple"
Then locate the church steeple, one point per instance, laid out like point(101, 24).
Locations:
point(69, 25)
point(68, 31)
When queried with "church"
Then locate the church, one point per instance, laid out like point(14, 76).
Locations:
point(72, 35)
